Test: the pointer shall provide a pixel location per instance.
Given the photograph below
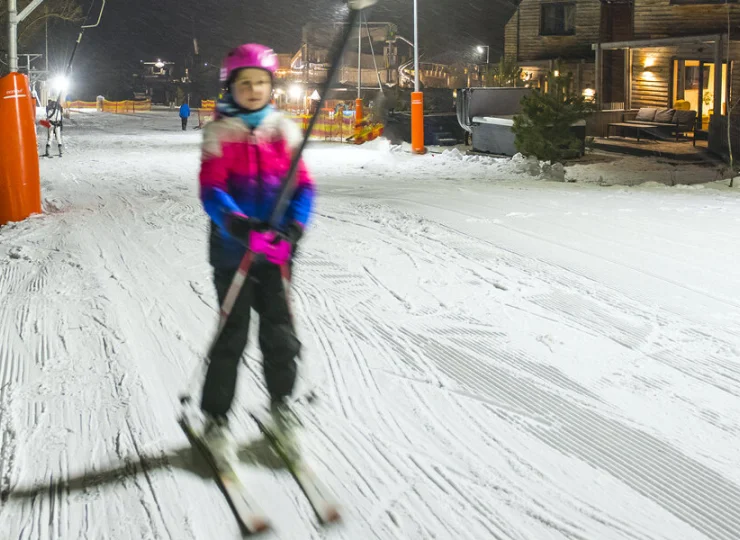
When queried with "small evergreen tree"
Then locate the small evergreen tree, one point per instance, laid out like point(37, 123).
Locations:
point(543, 129)
point(504, 74)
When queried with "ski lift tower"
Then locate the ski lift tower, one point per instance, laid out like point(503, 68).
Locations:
point(20, 189)
point(20, 186)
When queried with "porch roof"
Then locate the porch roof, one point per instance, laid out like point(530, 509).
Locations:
point(658, 42)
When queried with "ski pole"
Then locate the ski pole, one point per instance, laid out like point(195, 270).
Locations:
point(289, 186)
point(237, 283)
point(286, 192)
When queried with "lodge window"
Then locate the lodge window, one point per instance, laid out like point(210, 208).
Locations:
point(558, 19)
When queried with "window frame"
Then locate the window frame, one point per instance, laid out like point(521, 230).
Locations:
point(564, 5)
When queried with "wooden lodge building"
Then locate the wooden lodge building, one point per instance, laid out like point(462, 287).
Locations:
point(633, 54)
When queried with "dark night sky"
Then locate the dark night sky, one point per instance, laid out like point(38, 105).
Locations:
point(134, 30)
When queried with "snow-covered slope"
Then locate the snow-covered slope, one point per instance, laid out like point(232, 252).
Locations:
point(495, 357)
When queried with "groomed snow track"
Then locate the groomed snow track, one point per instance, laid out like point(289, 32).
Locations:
point(492, 357)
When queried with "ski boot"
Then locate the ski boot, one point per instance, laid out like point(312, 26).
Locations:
point(219, 441)
point(283, 425)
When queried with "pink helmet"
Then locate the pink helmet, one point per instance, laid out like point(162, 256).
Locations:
point(250, 55)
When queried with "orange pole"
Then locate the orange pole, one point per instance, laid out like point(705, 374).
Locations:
point(359, 117)
point(417, 123)
point(20, 186)
point(359, 113)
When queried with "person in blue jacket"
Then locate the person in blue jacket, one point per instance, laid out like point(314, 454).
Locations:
point(184, 115)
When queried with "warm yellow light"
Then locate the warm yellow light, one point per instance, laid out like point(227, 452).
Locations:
point(295, 91)
point(649, 62)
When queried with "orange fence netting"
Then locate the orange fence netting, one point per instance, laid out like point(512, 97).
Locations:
point(116, 107)
point(332, 125)
point(339, 126)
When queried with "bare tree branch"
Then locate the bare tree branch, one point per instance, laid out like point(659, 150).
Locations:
point(63, 10)
point(32, 25)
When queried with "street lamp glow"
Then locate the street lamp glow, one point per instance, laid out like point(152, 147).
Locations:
point(295, 91)
point(159, 64)
point(60, 83)
point(487, 49)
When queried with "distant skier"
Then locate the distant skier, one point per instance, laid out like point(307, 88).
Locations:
point(54, 125)
point(184, 115)
point(246, 154)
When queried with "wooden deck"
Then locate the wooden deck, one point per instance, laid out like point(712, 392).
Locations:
point(684, 150)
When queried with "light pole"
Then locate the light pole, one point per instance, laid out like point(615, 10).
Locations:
point(417, 97)
point(488, 52)
point(359, 113)
point(359, 58)
point(20, 191)
point(484, 81)
point(416, 46)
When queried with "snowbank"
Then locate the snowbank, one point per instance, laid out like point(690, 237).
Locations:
point(598, 168)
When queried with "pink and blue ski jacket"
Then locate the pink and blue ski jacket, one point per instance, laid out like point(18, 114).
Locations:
point(242, 170)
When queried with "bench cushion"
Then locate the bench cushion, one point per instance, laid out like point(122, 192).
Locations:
point(685, 118)
point(665, 116)
point(646, 114)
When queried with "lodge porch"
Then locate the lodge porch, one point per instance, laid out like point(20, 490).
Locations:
point(671, 99)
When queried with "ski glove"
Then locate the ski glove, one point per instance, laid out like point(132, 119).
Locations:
point(276, 246)
point(239, 226)
point(293, 233)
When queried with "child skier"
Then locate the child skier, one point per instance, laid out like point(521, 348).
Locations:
point(246, 154)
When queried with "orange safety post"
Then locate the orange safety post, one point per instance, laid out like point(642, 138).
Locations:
point(20, 186)
point(359, 113)
point(359, 117)
point(417, 123)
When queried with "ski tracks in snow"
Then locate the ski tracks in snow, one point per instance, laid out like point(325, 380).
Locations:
point(445, 353)
point(81, 402)
point(465, 391)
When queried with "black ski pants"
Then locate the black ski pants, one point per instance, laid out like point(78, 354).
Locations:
point(184, 123)
point(263, 291)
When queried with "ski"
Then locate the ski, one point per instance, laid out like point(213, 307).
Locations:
point(246, 510)
point(317, 493)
